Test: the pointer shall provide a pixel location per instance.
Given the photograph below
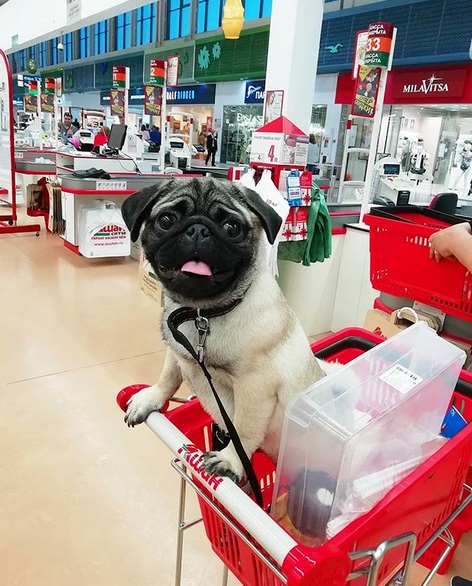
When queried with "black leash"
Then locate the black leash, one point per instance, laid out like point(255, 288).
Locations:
point(201, 319)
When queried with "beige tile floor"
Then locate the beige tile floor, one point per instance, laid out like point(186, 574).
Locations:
point(84, 501)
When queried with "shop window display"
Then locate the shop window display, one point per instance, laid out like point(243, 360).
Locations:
point(239, 122)
point(433, 144)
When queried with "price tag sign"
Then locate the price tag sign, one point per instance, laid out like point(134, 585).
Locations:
point(111, 186)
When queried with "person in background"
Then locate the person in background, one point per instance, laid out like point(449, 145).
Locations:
point(66, 128)
point(202, 139)
point(212, 148)
point(101, 137)
point(313, 155)
point(453, 242)
point(155, 136)
point(145, 132)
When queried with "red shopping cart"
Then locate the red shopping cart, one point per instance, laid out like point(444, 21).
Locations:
point(375, 549)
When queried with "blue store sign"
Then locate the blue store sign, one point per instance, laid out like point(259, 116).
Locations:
point(192, 94)
point(255, 92)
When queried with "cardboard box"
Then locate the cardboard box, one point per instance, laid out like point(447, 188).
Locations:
point(388, 324)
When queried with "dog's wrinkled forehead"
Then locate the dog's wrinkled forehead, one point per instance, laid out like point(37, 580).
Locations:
point(197, 196)
point(200, 198)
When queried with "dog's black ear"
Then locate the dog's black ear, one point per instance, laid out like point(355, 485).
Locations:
point(136, 207)
point(270, 219)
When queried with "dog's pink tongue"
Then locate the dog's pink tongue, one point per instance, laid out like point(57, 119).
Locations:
point(197, 268)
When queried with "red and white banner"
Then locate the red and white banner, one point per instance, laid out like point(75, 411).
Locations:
point(173, 64)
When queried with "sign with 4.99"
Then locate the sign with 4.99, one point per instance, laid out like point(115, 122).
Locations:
point(379, 44)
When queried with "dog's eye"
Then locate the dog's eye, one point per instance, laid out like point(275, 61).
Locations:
point(166, 221)
point(232, 228)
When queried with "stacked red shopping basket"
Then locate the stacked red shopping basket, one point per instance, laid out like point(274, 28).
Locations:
point(401, 266)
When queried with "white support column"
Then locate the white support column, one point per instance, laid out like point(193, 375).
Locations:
point(295, 30)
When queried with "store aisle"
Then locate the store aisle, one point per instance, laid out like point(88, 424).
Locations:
point(84, 499)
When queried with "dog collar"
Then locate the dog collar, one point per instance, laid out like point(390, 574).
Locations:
point(201, 318)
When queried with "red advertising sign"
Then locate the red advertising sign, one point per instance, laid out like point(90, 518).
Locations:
point(365, 95)
point(31, 103)
point(157, 72)
point(152, 100)
point(49, 85)
point(430, 84)
point(47, 103)
point(379, 44)
point(120, 76)
point(117, 102)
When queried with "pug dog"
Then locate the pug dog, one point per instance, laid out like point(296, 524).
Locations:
point(206, 241)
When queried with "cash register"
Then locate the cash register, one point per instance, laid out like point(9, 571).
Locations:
point(388, 186)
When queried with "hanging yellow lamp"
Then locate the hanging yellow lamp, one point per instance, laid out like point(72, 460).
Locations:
point(233, 19)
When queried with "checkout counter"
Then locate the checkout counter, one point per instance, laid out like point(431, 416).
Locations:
point(77, 192)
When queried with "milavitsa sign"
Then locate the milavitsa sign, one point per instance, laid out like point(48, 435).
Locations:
point(432, 84)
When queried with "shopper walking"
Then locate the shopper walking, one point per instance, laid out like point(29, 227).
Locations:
point(313, 155)
point(212, 148)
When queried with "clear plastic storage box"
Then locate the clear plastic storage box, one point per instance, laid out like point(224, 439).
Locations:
point(351, 436)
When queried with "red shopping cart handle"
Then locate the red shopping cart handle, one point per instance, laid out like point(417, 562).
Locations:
point(125, 395)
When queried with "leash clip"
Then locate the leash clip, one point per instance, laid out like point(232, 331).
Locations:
point(203, 327)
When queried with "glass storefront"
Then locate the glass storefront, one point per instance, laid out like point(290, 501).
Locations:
point(445, 131)
point(239, 122)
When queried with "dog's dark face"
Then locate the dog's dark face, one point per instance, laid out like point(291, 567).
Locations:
point(201, 236)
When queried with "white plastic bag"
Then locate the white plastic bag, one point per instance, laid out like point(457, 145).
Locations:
point(272, 196)
point(247, 179)
point(102, 231)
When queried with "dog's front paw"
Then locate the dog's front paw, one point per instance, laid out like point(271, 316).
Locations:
point(224, 463)
point(141, 404)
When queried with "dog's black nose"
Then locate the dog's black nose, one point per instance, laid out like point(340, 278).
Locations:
point(198, 232)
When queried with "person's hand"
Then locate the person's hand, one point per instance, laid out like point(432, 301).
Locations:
point(446, 243)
